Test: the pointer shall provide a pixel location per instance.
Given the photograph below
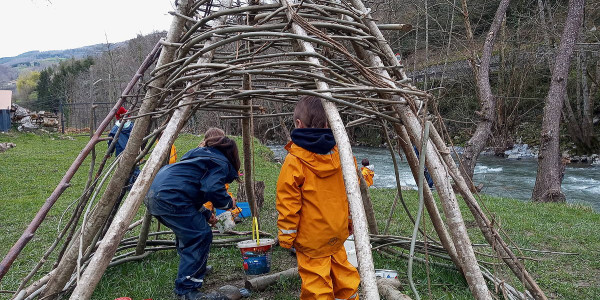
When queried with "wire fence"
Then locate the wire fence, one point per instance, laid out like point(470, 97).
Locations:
point(78, 117)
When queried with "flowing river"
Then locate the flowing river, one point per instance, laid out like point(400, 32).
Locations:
point(501, 177)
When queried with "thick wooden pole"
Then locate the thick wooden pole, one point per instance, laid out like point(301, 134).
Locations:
point(128, 159)
point(247, 144)
point(361, 236)
point(491, 235)
point(456, 224)
point(143, 237)
point(109, 244)
point(367, 204)
point(107, 248)
point(64, 183)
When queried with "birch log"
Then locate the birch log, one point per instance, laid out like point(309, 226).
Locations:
point(263, 282)
point(458, 231)
point(388, 288)
point(367, 204)
point(491, 235)
point(99, 262)
point(361, 236)
point(107, 248)
point(64, 183)
point(69, 260)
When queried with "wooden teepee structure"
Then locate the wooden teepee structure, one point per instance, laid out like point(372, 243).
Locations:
point(225, 56)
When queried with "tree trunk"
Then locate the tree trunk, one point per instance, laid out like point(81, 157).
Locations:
point(487, 101)
point(547, 183)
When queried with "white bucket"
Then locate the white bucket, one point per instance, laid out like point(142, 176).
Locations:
point(351, 251)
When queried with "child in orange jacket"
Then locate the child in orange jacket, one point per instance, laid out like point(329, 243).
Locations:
point(367, 171)
point(313, 207)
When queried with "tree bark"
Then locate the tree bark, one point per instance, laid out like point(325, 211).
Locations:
point(547, 183)
point(487, 101)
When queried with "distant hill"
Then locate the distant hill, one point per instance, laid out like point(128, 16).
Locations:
point(11, 67)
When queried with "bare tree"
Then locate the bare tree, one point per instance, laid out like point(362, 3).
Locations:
point(579, 117)
point(487, 101)
point(547, 184)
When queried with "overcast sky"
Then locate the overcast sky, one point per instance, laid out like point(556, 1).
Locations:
point(27, 25)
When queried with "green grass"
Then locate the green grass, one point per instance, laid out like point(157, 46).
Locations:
point(31, 171)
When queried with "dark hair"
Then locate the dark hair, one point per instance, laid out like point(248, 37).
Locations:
point(228, 147)
point(310, 111)
point(365, 162)
point(211, 133)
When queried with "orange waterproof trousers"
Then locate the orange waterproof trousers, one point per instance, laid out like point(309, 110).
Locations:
point(328, 278)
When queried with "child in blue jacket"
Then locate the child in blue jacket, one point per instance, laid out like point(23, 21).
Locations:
point(177, 194)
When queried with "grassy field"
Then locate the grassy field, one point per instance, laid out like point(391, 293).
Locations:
point(29, 173)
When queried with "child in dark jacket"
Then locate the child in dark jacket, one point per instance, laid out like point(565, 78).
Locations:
point(178, 192)
point(313, 207)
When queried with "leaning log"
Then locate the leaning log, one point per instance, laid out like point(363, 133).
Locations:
point(155, 92)
point(388, 288)
point(490, 233)
point(458, 231)
point(263, 282)
point(101, 259)
point(361, 237)
point(64, 183)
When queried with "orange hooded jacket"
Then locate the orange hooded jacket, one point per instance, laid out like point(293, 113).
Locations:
point(368, 175)
point(312, 202)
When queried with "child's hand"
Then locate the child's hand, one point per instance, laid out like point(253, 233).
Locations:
point(213, 220)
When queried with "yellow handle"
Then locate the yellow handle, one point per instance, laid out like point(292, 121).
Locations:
point(255, 233)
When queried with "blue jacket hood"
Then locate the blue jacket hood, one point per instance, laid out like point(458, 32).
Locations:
point(123, 136)
point(316, 140)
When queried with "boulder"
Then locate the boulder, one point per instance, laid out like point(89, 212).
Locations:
point(231, 292)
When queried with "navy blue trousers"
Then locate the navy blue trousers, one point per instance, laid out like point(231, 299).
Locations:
point(193, 239)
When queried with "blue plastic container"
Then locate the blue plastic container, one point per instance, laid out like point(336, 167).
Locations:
point(245, 206)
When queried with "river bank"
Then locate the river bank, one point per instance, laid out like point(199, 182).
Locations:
point(501, 177)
